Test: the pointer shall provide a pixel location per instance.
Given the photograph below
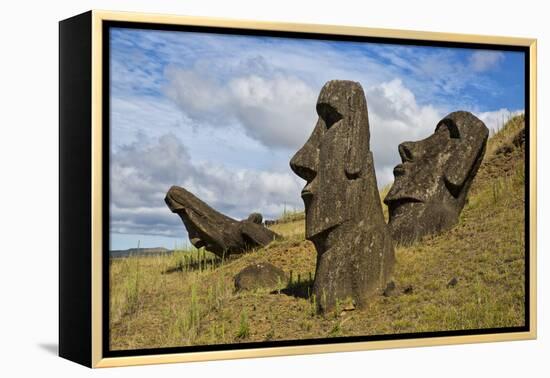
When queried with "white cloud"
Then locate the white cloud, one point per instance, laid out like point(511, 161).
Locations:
point(394, 117)
point(494, 120)
point(200, 97)
point(143, 171)
point(142, 115)
point(483, 60)
point(280, 111)
point(271, 110)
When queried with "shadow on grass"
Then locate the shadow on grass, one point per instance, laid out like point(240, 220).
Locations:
point(194, 266)
point(298, 289)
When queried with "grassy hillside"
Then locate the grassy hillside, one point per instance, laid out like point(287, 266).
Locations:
point(470, 277)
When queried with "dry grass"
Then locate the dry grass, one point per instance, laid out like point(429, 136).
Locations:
point(188, 298)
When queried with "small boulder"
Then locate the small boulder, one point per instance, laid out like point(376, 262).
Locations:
point(452, 282)
point(389, 290)
point(350, 306)
point(408, 289)
point(259, 275)
point(519, 138)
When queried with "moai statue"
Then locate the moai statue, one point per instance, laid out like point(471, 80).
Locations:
point(431, 184)
point(215, 231)
point(344, 216)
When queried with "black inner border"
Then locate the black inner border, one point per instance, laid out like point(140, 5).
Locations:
point(107, 25)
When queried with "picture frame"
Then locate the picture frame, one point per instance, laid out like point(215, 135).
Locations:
point(84, 149)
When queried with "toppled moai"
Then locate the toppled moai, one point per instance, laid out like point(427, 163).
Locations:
point(215, 231)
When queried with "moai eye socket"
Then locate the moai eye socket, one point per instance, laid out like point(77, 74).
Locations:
point(329, 114)
point(451, 126)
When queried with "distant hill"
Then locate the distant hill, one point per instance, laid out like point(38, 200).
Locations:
point(140, 252)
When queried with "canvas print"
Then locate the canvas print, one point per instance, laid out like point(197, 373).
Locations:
point(272, 188)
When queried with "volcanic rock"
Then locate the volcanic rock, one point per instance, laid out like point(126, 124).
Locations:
point(213, 230)
point(343, 212)
point(432, 182)
point(259, 275)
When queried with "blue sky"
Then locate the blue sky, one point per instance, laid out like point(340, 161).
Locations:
point(221, 115)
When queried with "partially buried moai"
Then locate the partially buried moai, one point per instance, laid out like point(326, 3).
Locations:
point(344, 216)
point(432, 182)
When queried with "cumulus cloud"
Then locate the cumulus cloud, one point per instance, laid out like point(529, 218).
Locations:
point(143, 171)
point(272, 110)
point(280, 111)
point(484, 60)
point(496, 119)
point(395, 116)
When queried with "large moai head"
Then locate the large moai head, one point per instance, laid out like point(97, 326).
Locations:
point(344, 216)
point(335, 156)
point(434, 177)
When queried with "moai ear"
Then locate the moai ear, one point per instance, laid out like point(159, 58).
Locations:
point(471, 140)
point(358, 135)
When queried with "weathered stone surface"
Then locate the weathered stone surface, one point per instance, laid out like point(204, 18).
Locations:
point(519, 138)
point(431, 184)
point(255, 218)
point(215, 231)
point(344, 216)
point(390, 289)
point(259, 275)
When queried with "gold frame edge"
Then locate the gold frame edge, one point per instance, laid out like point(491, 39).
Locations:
point(97, 196)
point(533, 188)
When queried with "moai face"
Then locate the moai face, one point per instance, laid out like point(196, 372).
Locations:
point(200, 220)
point(334, 156)
point(434, 177)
